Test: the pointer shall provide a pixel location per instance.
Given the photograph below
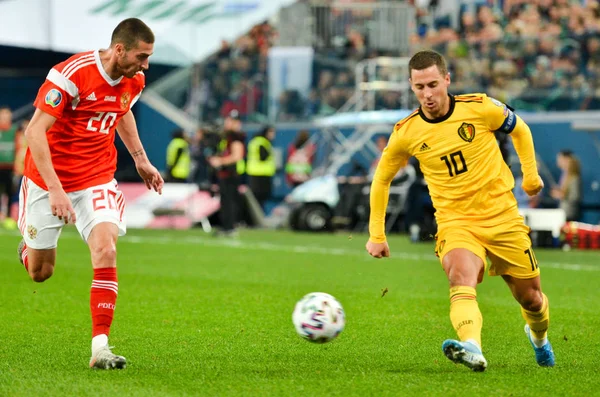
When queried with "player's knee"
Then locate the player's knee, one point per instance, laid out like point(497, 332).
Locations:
point(532, 300)
point(463, 268)
point(463, 276)
point(105, 256)
point(42, 273)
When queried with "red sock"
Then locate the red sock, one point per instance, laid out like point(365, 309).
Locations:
point(103, 296)
point(24, 258)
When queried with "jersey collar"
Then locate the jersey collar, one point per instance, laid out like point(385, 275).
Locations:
point(103, 72)
point(439, 119)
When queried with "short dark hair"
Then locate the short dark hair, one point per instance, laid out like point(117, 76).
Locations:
point(425, 59)
point(265, 130)
point(131, 31)
point(178, 133)
point(566, 153)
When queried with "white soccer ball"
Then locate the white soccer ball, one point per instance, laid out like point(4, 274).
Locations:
point(318, 317)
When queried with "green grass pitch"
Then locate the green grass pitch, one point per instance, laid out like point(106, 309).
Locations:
point(203, 316)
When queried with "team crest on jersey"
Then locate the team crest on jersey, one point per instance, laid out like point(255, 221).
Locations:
point(32, 232)
point(466, 132)
point(53, 98)
point(125, 99)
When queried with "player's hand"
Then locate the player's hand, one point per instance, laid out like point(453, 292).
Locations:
point(532, 185)
point(378, 250)
point(150, 176)
point(61, 206)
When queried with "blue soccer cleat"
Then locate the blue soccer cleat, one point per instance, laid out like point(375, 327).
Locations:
point(465, 353)
point(543, 355)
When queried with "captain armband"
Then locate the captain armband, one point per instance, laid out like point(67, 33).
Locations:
point(510, 121)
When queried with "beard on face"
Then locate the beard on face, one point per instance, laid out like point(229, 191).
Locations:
point(131, 73)
point(126, 69)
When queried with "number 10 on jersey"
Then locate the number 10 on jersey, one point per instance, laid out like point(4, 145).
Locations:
point(102, 122)
point(455, 162)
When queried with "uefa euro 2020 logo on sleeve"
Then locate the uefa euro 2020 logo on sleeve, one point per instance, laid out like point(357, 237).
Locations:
point(53, 97)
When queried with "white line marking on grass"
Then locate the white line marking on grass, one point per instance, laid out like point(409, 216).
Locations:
point(570, 266)
point(304, 249)
point(298, 249)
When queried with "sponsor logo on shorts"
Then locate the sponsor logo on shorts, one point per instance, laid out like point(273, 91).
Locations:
point(441, 246)
point(32, 232)
point(53, 97)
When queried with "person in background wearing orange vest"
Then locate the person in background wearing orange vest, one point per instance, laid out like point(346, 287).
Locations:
point(260, 165)
point(299, 161)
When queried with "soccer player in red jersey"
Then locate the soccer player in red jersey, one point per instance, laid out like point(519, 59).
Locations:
point(71, 161)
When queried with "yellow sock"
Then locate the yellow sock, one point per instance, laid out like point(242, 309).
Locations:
point(464, 313)
point(538, 321)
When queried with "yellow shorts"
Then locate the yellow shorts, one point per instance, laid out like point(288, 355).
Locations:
point(508, 246)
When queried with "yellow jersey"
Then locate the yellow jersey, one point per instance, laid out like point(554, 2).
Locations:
point(460, 159)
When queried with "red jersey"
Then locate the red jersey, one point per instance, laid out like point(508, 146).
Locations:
point(88, 106)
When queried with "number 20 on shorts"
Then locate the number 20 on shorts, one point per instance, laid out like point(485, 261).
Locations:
point(103, 199)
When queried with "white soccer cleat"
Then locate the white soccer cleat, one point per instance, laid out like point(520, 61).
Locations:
point(103, 358)
point(465, 353)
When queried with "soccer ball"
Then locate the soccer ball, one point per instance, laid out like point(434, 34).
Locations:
point(318, 317)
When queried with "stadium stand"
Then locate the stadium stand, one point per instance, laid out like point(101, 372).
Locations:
point(536, 55)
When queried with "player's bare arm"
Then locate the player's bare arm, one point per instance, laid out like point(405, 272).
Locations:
point(523, 143)
point(392, 159)
point(35, 134)
point(128, 132)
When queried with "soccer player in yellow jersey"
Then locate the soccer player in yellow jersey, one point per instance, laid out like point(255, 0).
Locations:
point(471, 189)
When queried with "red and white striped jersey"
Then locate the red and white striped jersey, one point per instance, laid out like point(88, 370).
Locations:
point(88, 106)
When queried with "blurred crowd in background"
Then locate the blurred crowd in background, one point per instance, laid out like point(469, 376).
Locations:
point(535, 55)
